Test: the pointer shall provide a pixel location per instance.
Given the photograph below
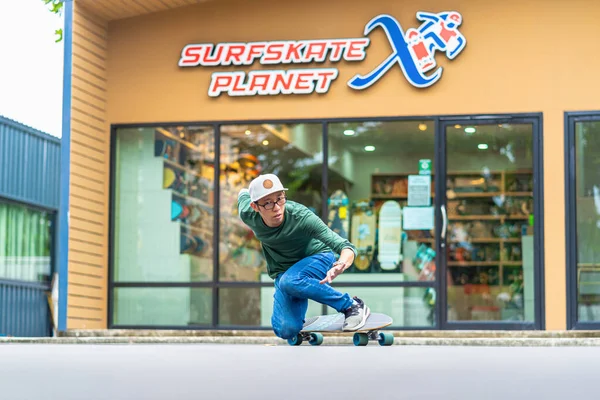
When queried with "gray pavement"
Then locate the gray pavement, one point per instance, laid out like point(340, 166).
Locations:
point(222, 371)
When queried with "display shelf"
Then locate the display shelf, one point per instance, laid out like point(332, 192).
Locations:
point(478, 240)
point(422, 240)
point(456, 173)
point(492, 194)
point(484, 263)
point(490, 211)
point(173, 137)
point(181, 167)
point(205, 230)
point(194, 201)
point(512, 263)
point(488, 240)
point(473, 263)
point(402, 196)
point(485, 217)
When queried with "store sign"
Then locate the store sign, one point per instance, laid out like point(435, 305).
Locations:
point(413, 51)
point(419, 190)
point(425, 166)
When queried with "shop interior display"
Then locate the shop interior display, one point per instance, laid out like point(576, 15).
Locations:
point(188, 170)
point(488, 214)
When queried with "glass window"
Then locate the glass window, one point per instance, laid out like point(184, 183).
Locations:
point(489, 202)
point(266, 305)
point(408, 306)
point(164, 204)
point(25, 242)
point(292, 152)
point(162, 306)
point(587, 169)
point(370, 166)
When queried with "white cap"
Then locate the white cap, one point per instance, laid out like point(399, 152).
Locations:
point(264, 185)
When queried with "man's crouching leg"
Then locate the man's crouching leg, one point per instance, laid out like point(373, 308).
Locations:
point(288, 313)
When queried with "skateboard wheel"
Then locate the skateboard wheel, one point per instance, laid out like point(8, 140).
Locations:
point(386, 339)
point(295, 341)
point(361, 339)
point(315, 339)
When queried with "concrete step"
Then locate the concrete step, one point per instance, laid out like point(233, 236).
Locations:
point(328, 341)
point(454, 334)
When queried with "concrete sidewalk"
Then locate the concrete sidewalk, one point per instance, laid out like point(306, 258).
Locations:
point(266, 337)
point(268, 333)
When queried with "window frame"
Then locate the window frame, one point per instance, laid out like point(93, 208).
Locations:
point(570, 121)
point(53, 238)
point(216, 284)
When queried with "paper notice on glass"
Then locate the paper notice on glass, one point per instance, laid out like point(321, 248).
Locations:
point(417, 218)
point(419, 190)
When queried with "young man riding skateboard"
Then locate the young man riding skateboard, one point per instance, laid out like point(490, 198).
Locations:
point(300, 252)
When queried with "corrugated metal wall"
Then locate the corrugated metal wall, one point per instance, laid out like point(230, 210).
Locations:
point(29, 175)
point(24, 309)
point(29, 165)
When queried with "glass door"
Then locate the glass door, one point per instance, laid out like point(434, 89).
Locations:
point(488, 237)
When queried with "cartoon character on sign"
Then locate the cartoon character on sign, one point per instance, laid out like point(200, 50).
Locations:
point(414, 50)
point(440, 32)
point(421, 54)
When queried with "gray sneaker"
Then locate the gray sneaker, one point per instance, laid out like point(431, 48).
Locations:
point(356, 316)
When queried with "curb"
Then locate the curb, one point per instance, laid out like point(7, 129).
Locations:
point(329, 340)
point(268, 333)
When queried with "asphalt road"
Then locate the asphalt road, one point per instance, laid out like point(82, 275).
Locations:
point(207, 371)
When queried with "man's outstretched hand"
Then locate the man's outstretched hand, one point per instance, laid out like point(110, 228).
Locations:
point(338, 267)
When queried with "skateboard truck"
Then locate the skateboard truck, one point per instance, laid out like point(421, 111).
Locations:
point(363, 338)
point(359, 338)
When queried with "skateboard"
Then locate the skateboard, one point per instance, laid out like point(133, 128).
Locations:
point(390, 235)
point(338, 213)
point(167, 148)
point(363, 234)
point(314, 328)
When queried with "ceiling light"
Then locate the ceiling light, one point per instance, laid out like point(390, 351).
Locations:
point(348, 132)
point(422, 127)
point(248, 132)
point(482, 146)
point(369, 148)
point(470, 129)
point(265, 142)
point(457, 126)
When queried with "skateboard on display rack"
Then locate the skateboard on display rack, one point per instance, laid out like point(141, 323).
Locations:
point(314, 327)
point(339, 219)
point(363, 234)
point(390, 235)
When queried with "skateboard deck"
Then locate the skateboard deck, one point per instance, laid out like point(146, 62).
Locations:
point(315, 326)
point(338, 220)
point(363, 234)
point(390, 235)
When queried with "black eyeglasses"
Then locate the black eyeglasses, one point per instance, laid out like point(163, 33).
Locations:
point(269, 205)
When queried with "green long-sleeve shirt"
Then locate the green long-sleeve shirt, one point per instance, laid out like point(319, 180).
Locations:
point(301, 234)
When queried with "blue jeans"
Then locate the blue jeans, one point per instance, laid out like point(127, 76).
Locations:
point(295, 286)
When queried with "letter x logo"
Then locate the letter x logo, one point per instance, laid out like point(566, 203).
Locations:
point(414, 50)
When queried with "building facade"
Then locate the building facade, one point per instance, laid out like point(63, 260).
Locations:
point(438, 138)
point(29, 181)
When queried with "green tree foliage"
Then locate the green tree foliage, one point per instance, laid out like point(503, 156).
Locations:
point(56, 7)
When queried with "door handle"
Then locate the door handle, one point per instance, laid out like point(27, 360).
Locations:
point(444, 221)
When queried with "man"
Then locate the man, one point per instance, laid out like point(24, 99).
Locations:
point(299, 250)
